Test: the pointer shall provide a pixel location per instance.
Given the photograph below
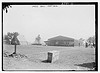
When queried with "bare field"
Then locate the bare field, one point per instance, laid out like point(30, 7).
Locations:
point(69, 58)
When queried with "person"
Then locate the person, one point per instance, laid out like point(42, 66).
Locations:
point(86, 44)
point(79, 44)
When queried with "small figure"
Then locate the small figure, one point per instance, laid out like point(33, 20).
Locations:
point(86, 44)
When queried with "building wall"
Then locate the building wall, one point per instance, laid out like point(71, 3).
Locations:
point(60, 43)
point(78, 43)
point(64, 43)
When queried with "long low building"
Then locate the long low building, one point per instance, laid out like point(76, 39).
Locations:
point(62, 41)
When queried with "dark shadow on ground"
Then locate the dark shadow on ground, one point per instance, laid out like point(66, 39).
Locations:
point(46, 61)
point(91, 65)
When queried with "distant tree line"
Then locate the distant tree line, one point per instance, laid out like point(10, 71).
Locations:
point(91, 41)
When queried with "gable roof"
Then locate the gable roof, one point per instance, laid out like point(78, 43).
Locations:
point(60, 38)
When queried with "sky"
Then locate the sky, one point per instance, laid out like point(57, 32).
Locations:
point(74, 21)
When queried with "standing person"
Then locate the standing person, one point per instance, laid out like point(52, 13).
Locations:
point(86, 44)
point(79, 44)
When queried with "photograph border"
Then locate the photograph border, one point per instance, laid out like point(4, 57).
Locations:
point(57, 3)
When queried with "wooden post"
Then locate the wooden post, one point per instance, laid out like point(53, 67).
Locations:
point(15, 48)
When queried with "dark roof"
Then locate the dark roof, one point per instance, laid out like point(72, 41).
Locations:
point(60, 38)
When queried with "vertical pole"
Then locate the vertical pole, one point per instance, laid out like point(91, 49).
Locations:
point(15, 49)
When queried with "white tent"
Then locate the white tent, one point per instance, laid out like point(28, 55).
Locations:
point(22, 40)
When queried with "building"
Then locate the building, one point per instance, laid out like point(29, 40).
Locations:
point(78, 43)
point(63, 41)
point(60, 41)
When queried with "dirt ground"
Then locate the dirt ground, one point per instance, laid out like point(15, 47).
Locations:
point(69, 58)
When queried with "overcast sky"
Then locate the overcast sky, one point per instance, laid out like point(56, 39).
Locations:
point(73, 21)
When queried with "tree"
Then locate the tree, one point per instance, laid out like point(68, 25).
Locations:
point(91, 41)
point(11, 39)
point(15, 41)
point(37, 40)
point(8, 38)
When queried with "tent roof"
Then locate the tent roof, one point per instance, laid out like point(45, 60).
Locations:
point(60, 38)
